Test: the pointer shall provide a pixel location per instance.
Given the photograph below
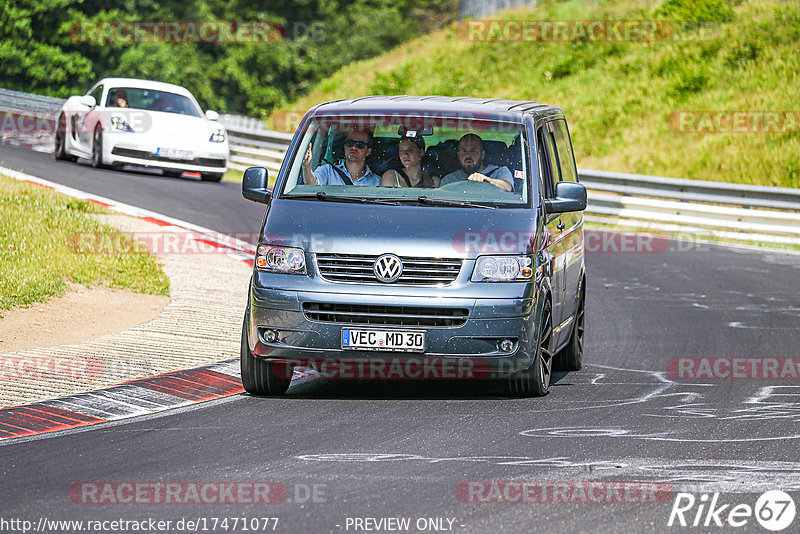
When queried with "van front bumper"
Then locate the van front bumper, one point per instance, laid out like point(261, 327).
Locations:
point(469, 346)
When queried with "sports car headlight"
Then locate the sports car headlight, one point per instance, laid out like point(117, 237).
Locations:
point(118, 123)
point(280, 259)
point(217, 136)
point(502, 269)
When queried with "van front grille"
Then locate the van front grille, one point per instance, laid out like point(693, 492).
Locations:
point(385, 315)
point(345, 268)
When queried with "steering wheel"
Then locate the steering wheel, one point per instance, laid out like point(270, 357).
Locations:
point(470, 187)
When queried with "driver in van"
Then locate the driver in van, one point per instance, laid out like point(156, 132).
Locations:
point(471, 155)
point(353, 171)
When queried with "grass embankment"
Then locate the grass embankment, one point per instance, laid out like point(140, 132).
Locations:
point(232, 175)
point(236, 176)
point(622, 97)
point(39, 255)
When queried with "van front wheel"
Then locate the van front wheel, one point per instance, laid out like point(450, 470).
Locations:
point(535, 380)
point(259, 376)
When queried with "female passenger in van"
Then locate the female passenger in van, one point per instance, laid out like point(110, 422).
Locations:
point(411, 151)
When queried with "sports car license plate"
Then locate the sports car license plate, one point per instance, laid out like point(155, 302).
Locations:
point(174, 153)
point(394, 340)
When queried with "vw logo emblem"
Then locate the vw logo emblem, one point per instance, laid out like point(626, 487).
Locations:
point(387, 268)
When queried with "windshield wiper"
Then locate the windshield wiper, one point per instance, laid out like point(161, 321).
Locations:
point(444, 202)
point(321, 195)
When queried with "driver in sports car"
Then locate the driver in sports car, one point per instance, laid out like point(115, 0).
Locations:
point(470, 155)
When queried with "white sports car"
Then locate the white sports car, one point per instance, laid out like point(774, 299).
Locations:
point(123, 121)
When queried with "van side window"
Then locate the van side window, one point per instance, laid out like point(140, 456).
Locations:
point(548, 162)
point(559, 135)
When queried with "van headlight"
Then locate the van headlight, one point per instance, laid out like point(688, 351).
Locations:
point(280, 259)
point(502, 269)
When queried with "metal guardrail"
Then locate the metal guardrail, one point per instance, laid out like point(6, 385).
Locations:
point(28, 120)
point(691, 207)
point(255, 146)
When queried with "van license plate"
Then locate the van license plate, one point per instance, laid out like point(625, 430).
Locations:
point(393, 340)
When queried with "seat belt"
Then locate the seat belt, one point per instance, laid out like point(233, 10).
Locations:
point(405, 177)
point(343, 175)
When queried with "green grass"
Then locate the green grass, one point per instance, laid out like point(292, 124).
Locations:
point(727, 55)
point(39, 255)
point(232, 175)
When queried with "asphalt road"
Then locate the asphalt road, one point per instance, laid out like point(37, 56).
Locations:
point(218, 206)
point(403, 449)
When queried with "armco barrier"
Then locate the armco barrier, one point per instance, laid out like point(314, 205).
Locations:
point(251, 145)
point(760, 214)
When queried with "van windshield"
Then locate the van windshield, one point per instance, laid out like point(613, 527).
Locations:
point(404, 157)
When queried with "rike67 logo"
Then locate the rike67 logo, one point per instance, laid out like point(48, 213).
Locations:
point(774, 510)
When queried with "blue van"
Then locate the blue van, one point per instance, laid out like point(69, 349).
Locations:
point(419, 237)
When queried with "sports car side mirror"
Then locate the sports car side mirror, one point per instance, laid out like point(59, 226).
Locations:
point(212, 115)
point(88, 101)
point(254, 185)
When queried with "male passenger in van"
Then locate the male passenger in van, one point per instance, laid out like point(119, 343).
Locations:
point(353, 171)
point(470, 155)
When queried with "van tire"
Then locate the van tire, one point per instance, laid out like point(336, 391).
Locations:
point(258, 376)
point(535, 380)
point(570, 358)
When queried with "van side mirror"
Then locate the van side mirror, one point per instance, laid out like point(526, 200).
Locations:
point(212, 115)
point(570, 196)
point(254, 185)
point(88, 101)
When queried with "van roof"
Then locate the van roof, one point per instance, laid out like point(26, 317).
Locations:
point(491, 108)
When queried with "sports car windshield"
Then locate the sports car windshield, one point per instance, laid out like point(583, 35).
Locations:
point(447, 160)
point(151, 100)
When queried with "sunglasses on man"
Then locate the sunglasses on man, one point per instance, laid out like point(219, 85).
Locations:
point(358, 144)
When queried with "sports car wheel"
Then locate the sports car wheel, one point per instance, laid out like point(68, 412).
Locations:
point(97, 148)
point(60, 151)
